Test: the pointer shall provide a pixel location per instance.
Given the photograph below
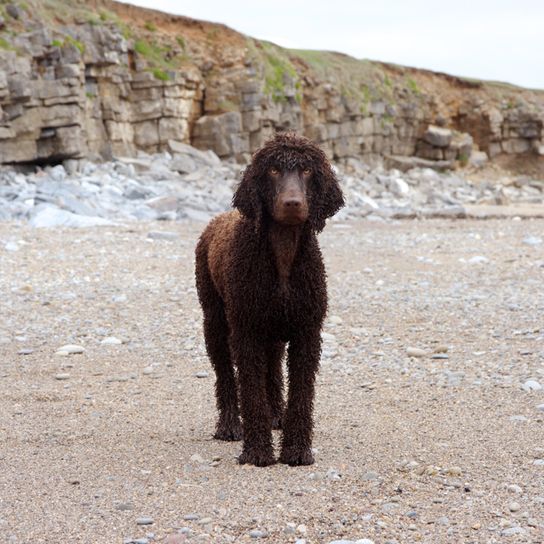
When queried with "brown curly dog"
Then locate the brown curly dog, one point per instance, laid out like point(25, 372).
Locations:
point(262, 284)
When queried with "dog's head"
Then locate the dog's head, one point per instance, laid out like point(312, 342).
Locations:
point(291, 182)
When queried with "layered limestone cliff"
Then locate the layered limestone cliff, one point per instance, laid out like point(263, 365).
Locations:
point(101, 79)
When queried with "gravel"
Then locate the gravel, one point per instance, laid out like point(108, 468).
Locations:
point(403, 434)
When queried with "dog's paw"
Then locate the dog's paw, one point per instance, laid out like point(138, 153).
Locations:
point(229, 432)
point(257, 458)
point(296, 457)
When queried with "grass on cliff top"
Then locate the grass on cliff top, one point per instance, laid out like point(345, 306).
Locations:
point(358, 79)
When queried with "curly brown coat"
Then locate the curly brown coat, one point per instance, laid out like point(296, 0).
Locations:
point(261, 283)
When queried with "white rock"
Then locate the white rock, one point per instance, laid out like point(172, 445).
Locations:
point(478, 259)
point(415, 352)
point(532, 240)
point(54, 217)
point(531, 385)
point(111, 341)
point(70, 349)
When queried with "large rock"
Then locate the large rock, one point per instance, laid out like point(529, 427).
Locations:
point(437, 136)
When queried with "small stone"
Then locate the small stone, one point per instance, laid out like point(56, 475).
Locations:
point(512, 531)
point(195, 458)
point(111, 341)
point(25, 351)
point(201, 374)
point(478, 259)
point(513, 488)
point(441, 349)
point(514, 507)
point(333, 474)
point(440, 356)
point(124, 506)
point(145, 521)
point(163, 235)
point(257, 533)
point(205, 521)
point(62, 376)
point(540, 407)
point(532, 240)
point(147, 370)
point(70, 349)
point(191, 517)
point(531, 385)
point(302, 529)
point(370, 476)
point(415, 352)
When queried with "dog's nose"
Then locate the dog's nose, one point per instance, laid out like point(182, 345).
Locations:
point(293, 203)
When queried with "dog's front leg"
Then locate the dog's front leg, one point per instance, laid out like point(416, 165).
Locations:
point(303, 362)
point(256, 415)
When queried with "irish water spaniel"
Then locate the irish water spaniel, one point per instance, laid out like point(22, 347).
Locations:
point(261, 283)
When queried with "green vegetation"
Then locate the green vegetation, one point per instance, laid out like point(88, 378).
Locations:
point(412, 86)
point(161, 74)
point(358, 79)
point(181, 42)
point(463, 159)
point(69, 40)
point(160, 58)
point(149, 25)
point(76, 43)
point(4, 44)
point(278, 69)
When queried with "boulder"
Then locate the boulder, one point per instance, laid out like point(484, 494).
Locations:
point(437, 136)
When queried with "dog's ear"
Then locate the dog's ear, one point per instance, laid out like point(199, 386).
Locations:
point(327, 197)
point(246, 198)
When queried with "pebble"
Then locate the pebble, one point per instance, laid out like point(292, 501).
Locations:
point(512, 531)
point(514, 507)
point(70, 349)
point(202, 374)
point(513, 488)
point(257, 533)
point(191, 517)
point(25, 351)
point(532, 240)
point(478, 259)
point(62, 376)
point(145, 521)
point(531, 385)
point(111, 341)
point(415, 352)
point(163, 235)
point(333, 474)
point(540, 407)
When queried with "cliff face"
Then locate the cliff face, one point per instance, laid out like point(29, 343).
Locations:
point(100, 78)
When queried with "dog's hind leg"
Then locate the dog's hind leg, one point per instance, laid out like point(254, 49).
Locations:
point(216, 336)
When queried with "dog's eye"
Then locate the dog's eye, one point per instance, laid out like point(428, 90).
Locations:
point(307, 171)
point(274, 171)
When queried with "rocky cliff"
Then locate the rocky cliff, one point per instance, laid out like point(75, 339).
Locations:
point(101, 79)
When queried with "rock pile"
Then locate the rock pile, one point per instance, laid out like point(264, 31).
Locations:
point(187, 183)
